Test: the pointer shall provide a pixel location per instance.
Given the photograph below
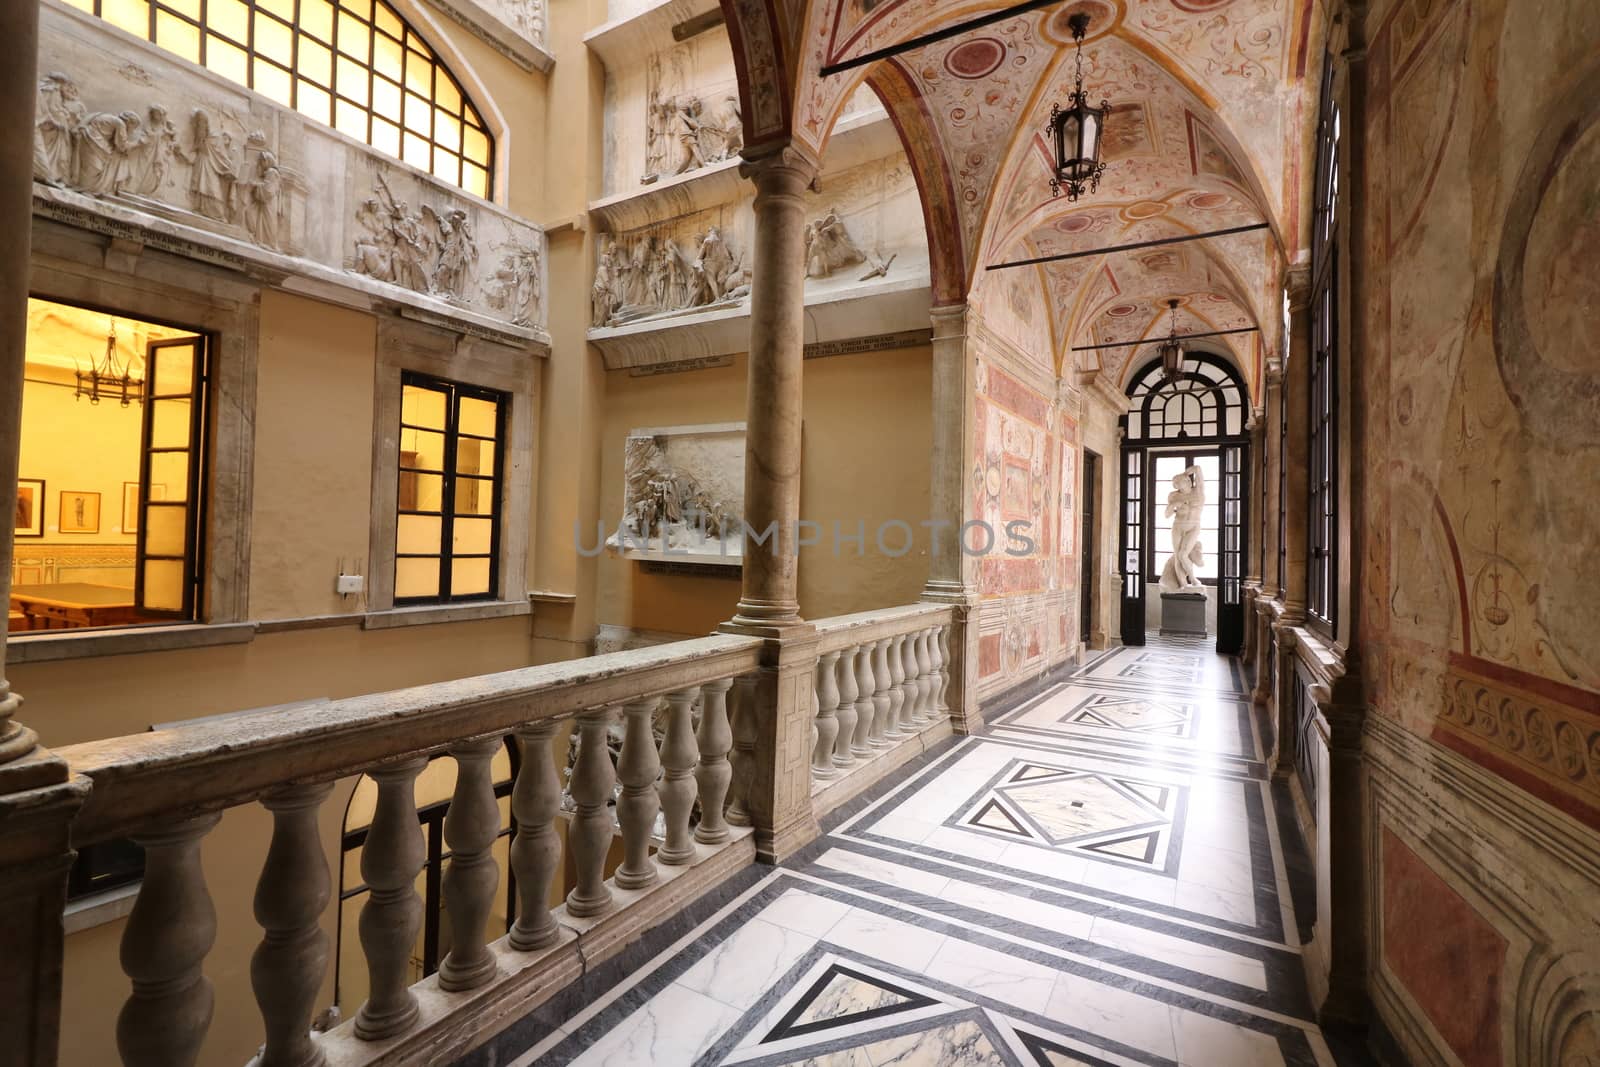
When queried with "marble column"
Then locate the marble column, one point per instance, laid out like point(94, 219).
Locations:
point(773, 390)
point(38, 796)
point(950, 572)
point(777, 700)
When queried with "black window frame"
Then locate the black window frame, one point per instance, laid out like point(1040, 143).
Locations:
point(454, 392)
point(1322, 370)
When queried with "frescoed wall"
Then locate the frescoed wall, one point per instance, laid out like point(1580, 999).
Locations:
point(1481, 401)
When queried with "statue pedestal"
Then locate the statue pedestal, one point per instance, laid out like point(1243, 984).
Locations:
point(1183, 614)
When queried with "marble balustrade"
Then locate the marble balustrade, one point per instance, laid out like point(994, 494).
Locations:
point(880, 680)
point(685, 716)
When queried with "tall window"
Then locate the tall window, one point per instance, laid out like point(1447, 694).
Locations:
point(354, 65)
point(1323, 484)
point(1167, 466)
point(447, 532)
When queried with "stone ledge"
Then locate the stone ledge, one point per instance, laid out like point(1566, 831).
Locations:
point(51, 645)
point(858, 310)
point(429, 614)
point(100, 909)
point(624, 40)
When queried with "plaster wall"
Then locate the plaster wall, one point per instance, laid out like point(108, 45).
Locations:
point(863, 462)
point(1479, 433)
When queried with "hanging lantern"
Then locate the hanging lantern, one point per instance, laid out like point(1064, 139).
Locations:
point(109, 378)
point(1171, 351)
point(1076, 131)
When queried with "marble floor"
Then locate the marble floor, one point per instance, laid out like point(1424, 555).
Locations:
point(1098, 879)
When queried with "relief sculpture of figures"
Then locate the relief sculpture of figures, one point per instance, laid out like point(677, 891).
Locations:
point(829, 246)
point(1185, 506)
point(431, 252)
point(603, 296)
point(106, 147)
point(458, 252)
point(668, 508)
point(261, 195)
point(681, 136)
point(59, 115)
point(516, 289)
point(213, 173)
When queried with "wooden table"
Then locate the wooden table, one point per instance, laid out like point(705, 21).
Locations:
point(61, 605)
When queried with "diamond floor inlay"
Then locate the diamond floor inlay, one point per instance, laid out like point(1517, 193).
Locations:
point(1094, 880)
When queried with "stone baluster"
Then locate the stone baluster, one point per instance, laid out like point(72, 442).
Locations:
point(536, 848)
point(846, 712)
point(590, 832)
point(744, 748)
point(471, 825)
point(827, 716)
point(679, 754)
point(637, 768)
point(866, 707)
point(878, 738)
point(714, 774)
point(941, 704)
point(927, 680)
point(287, 968)
point(899, 706)
point(164, 946)
point(910, 715)
point(392, 916)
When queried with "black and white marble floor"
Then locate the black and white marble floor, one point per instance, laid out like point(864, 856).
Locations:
point(1096, 880)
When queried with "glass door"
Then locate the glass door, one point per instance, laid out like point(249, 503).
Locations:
point(169, 478)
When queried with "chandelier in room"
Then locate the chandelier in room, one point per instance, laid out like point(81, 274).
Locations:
point(1171, 351)
point(108, 378)
point(1076, 131)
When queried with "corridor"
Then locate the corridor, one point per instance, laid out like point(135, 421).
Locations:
point(1097, 880)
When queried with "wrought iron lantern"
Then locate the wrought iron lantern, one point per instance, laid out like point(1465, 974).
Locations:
point(109, 378)
point(1076, 131)
point(1171, 351)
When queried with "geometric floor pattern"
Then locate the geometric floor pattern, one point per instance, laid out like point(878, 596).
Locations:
point(1097, 879)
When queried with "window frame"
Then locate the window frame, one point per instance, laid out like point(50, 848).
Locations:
point(342, 62)
point(1153, 457)
point(454, 392)
point(1322, 370)
point(203, 439)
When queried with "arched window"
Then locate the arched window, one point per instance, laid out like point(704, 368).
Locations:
point(355, 65)
point(1207, 401)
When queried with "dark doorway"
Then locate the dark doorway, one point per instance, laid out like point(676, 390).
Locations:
point(1088, 556)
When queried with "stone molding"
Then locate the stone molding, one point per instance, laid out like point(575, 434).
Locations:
point(526, 50)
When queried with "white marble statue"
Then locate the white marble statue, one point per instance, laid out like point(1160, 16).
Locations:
point(1185, 504)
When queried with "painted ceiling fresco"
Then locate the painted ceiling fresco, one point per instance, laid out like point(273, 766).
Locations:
point(1207, 132)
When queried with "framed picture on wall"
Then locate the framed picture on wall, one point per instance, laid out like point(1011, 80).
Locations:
point(130, 503)
point(80, 512)
point(29, 521)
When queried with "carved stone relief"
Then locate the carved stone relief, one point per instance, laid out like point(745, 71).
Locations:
point(683, 491)
point(233, 176)
point(430, 250)
point(130, 139)
point(829, 247)
point(686, 130)
point(650, 275)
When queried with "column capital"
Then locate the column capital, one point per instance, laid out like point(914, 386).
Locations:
point(1297, 284)
point(1274, 372)
point(949, 321)
point(784, 162)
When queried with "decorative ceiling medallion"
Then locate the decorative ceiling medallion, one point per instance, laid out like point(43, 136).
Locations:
point(1075, 223)
point(1122, 311)
point(1209, 201)
point(1200, 7)
point(977, 58)
point(1143, 209)
point(1104, 18)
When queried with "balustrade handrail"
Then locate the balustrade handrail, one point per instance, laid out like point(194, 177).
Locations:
point(843, 631)
point(219, 763)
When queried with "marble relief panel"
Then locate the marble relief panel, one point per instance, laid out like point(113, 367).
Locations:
point(125, 132)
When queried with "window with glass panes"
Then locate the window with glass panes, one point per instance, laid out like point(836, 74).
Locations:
point(1164, 467)
point(355, 65)
point(1323, 457)
point(447, 530)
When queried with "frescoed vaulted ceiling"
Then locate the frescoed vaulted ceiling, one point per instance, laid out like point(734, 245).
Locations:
point(1208, 131)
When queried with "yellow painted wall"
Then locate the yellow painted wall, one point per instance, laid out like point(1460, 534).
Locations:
point(313, 474)
point(862, 460)
point(74, 446)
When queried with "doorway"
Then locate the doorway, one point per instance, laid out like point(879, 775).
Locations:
point(1089, 547)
